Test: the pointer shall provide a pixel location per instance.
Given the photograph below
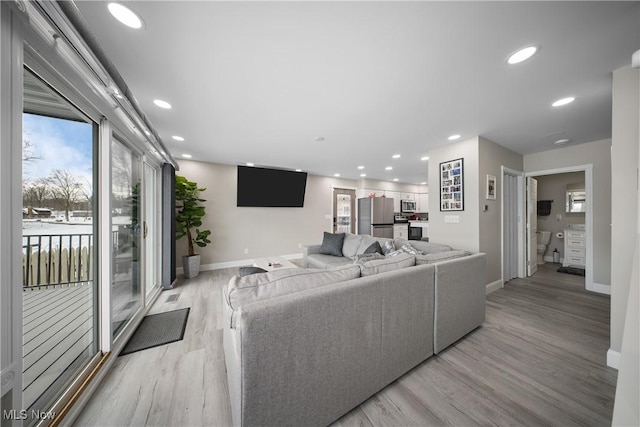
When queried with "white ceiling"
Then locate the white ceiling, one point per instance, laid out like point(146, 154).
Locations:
point(260, 81)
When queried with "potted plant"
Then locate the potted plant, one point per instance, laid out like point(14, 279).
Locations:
point(189, 213)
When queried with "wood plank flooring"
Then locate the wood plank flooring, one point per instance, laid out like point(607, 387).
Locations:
point(538, 360)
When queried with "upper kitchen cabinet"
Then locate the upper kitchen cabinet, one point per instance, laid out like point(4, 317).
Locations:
point(423, 202)
point(407, 196)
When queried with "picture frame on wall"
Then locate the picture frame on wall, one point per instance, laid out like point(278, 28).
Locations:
point(491, 187)
point(452, 185)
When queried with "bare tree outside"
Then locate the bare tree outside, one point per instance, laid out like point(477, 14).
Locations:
point(67, 188)
point(28, 154)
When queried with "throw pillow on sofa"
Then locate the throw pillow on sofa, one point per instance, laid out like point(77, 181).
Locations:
point(332, 244)
point(374, 248)
point(247, 271)
point(388, 247)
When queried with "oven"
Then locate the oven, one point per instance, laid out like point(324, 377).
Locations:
point(407, 206)
point(415, 233)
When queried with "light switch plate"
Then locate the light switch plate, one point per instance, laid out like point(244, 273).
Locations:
point(452, 219)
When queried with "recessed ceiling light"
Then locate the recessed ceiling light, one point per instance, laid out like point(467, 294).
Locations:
point(423, 183)
point(522, 55)
point(563, 101)
point(187, 156)
point(163, 153)
point(424, 158)
point(249, 164)
point(146, 132)
point(562, 141)
point(162, 104)
point(298, 170)
point(388, 168)
point(319, 138)
point(178, 138)
point(453, 137)
point(363, 175)
point(125, 15)
point(396, 156)
point(360, 167)
point(336, 175)
point(395, 179)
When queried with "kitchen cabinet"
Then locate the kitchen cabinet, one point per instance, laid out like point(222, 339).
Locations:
point(396, 199)
point(401, 231)
point(423, 202)
point(407, 196)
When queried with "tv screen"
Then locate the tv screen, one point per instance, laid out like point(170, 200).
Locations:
point(274, 188)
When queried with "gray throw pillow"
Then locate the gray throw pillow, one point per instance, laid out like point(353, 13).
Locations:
point(332, 244)
point(374, 248)
point(410, 250)
point(247, 271)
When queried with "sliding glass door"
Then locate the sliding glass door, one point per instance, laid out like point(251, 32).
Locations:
point(126, 293)
point(59, 251)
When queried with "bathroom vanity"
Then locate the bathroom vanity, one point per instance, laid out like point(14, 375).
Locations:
point(575, 244)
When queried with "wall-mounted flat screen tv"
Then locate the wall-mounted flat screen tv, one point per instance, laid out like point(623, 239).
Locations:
point(273, 188)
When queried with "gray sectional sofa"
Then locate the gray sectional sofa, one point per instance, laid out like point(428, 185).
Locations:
point(304, 346)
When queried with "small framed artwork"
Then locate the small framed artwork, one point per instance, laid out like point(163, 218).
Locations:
point(452, 185)
point(491, 187)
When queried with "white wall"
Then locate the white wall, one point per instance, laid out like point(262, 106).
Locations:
point(263, 231)
point(553, 187)
point(598, 154)
point(624, 192)
point(625, 322)
point(491, 157)
point(465, 234)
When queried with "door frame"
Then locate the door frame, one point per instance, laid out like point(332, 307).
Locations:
point(588, 178)
point(333, 196)
point(521, 237)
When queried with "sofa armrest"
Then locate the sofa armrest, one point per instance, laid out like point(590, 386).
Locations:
point(309, 250)
point(460, 298)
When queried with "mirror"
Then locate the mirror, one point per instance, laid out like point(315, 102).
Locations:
point(576, 198)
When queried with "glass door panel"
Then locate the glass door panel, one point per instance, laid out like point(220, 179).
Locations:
point(126, 296)
point(58, 244)
point(344, 210)
point(150, 229)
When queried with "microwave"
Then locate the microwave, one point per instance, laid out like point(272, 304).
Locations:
point(407, 206)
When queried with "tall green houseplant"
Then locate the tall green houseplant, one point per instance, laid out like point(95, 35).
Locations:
point(189, 214)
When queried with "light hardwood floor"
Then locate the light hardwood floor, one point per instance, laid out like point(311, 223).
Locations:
point(538, 360)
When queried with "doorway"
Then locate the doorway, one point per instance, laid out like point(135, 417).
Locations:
point(344, 210)
point(523, 242)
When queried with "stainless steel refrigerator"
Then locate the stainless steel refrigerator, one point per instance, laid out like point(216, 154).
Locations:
point(375, 216)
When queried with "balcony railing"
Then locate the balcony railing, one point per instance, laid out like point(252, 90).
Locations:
point(57, 260)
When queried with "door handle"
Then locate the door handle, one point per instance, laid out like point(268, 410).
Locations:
point(144, 234)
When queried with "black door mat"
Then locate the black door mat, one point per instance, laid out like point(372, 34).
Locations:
point(158, 329)
point(572, 270)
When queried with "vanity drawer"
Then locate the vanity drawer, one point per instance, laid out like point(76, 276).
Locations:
point(575, 242)
point(573, 260)
point(575, 233)
point(575, 252)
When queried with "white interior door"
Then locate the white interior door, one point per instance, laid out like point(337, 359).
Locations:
point(532, 225)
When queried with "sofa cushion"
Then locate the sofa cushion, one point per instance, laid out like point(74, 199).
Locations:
point(351, 245)
point(332, 244)
point(362, 258)
point(424, 247)
point(256, 287)
point(397, 262)
point(440, 256)
point(374, 248)
point(327, 261)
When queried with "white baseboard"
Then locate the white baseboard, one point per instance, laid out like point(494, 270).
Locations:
point(601, 289)
point(494, 286)
point(230, 264)
point(613, 359)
